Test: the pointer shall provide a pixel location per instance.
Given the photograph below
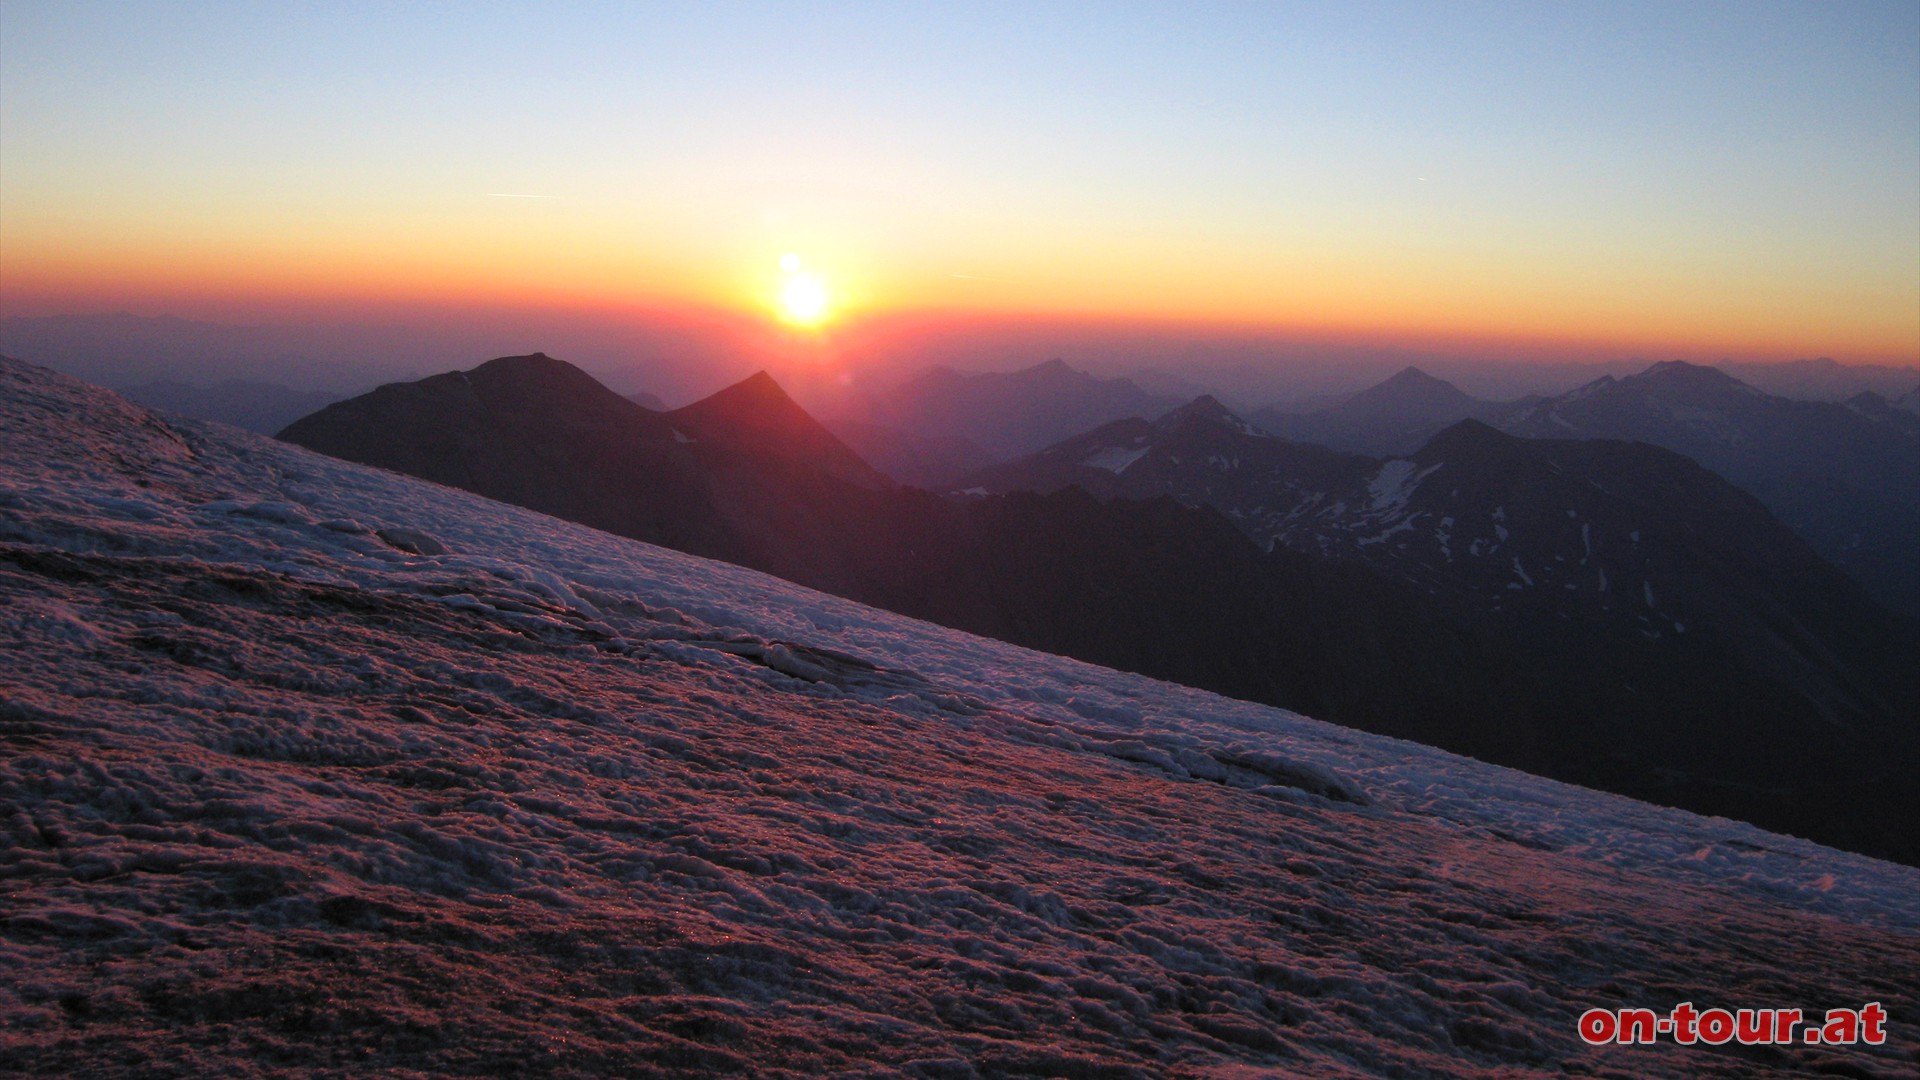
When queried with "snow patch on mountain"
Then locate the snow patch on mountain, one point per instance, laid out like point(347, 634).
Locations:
point(1394, 484)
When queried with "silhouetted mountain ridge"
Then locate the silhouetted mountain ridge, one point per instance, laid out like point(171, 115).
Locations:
point(1391, 417)
point(1156, 587)
point(1009, 413)
point(1666, 608)
point(757, 416)
point(1361, 625)
point(1845, 478)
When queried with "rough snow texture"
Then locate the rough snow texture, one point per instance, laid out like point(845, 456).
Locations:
point(311, 768)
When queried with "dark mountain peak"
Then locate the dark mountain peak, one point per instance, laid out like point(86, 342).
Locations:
point(755, 414)
point(473, 401)
point(1413, 376)
point(757, 392)
point(1204, 413)
point(535, 371)
point(1411, 391)
point(1697, 385)
point(1682, 373)
point(760, 383)
point(531, 362)
point(1054, 373)
point(755, 404)
point(1473, 441)
point(1204, 407)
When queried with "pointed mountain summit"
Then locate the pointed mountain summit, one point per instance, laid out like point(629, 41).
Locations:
point(757, 416)
point(1877, 408)
point(1055, 369)
point(1473, 441)
point(1390, 417)
point(1412, 393)
point(1205, 412)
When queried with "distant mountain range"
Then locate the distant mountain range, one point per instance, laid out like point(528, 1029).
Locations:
point(1823, 379)
point(125, 350)
point(1393, 417)
point(747, 476)
point(1845, 476)
point(1688, 642)
point(255, 406)
point(1008, 413)
point(1605, 613)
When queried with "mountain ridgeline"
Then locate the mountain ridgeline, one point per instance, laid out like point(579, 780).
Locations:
point(1393, 417)
point(746, 476)
point(1844, 476)
point(1605, 613)
point(1690, 648)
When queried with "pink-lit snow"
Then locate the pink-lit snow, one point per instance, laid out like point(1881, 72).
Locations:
point(281, 795)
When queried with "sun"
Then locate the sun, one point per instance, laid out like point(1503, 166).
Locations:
point(803, 297)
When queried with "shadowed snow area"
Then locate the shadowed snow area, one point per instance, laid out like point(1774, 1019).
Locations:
point(311, 768)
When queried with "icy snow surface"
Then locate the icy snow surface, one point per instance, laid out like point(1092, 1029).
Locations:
point(281, 795)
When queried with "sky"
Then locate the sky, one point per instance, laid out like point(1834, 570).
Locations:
point(1693, 179)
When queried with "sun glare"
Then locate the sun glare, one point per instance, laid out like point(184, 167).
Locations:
point(803, 295)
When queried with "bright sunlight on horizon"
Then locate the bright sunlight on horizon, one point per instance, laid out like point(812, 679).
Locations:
point(804, 299)
point(1627, 178)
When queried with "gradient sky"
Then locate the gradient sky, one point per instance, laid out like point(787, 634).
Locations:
point(1697, 178)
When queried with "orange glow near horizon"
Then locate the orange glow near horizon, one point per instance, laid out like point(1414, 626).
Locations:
point(1486, 304)
point(1287, 171)
point(805, 272)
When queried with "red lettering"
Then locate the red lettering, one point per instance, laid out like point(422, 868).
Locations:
point(1638, 1025)
point(1753, 1026)
point(1873, 1020)
point(1842, 1026)
point(1597, 1026)
point(1683, 1020)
